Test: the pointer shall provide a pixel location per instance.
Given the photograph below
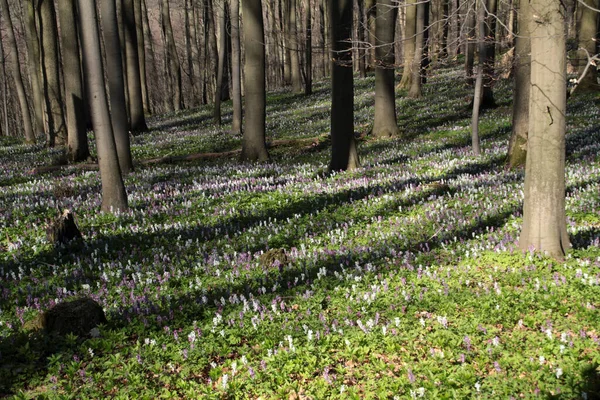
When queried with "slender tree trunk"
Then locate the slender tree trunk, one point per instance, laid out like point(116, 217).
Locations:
point(487, 100)
point(371, 14)
point(77, 149)
point(445, 27)
point(385, 124)
point(116, 85)
point(236, 76)
point(121, 27)
point(293, 44)
point(114, 197)
point(139, 25)
point(410, 35)
point(415, 86)
point(16, 73)
point(172, 57)
point(477, 98)
point(517, 149)
point(4, 90)
point(544, 220)
point(308, 50)
point(587, 34)
point(471, 41)
point(362, 58)
point(221, 62)
point(134, 83)
point(254, 147)
point(150, 58)
point(324, 57)
point(33, 51)
point(189, 11)
point(344, 155)
point(57, 131)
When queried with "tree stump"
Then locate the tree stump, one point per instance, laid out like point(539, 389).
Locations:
point(63, 229)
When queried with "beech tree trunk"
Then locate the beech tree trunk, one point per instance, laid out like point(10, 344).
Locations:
point(254, 147)
point(487, 100)
point(139, 25)
point(477, 98)
point(344, 155)
point(410, 32)
point(308, 50)
point(137, 123)
point(587, 34)
point(471, 42)
point(293, 44)
point(57, 131)
point(517, 148)
point(221, 62)
point(385, 124)
point(77, 149)
point(114, 198)
point(116, 85)
point(236, 73)
point(33, 52)
point(172, 57)
point(415, 91)
point(544, 220)
point(16, 73)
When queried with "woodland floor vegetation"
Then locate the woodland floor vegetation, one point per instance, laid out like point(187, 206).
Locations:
point(401, 279)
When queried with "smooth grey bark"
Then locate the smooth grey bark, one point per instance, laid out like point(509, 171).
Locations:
point(116, 84)
point(221, 61)
point(137, 122)
point(410, 31)
point(4, 90)
point(471, 42)
point(57, 131)
point(477, 98)
point(517, 148)
point(114, 197)
point(371, 14)
point(344, 155)
point(491, 8)
point(16, 73)
point(296, 76)
point(385, 124)
point(34, 66)
point(150, 59)
point(360, 30)
point(587, 34)
point(254, 147)
point(544, 220)
point(172, 57)
point(139, 25)
point(77, 142)
point(189, 55)
point(308, 75)
point(236, 68)
point(415, 90)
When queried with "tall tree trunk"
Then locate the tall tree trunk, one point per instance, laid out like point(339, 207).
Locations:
point(487, 100)
point(236, 76)
point(371, 11)
point(385, 124)
point(134, 83)
point(254, 147)
point(57, 131)
point(415, 91)
point(4, 90)
point(189, 11)
point(477, 98)
point(587, 34)
point(471, 41)
point(77, 149)
point(114, 197)
point(410, 36)
point(33, 51)
point(293, 44)
point(445, 28)
point(150, 59)
point(308, 50)
point(139, 25)
point(362, 61)
point(16, 73)
point(517, 148)
point(323, 36)
point(172, 57)
point(344, 155)
point(116, 85)
point(221, 62)
point(284, 7)
point(544, 220)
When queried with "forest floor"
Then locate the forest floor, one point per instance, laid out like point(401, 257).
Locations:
point(225, 280)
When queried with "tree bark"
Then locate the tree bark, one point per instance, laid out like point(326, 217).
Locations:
point(172, 57)
point(77, 148)
point(293, 45)
point(16, 73)
point(114, 198)
point(587, 32)
point(308, 50)
point(236, 76)
point(344, 155)
point(544, 219)
point(141, 47)
point(415, 90)
point(371, 14)
point(517, 148)
point(410, 32)
point(253, 143)
point(134, 83)
point(477, 98)
point(360, 30)
point(221, 62)
point(385, 124)
point(33, 51)
point(116, 85)
point(471, 41)
point(57, 132)
point(487, 100)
